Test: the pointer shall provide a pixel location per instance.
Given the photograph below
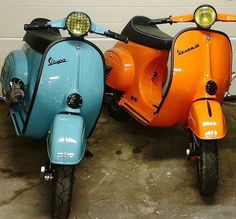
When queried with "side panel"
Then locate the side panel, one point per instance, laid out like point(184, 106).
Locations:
point(122, 74)
point(197, 57)
point(140, 72)
point(206, 120)
point(69, 66)
point(67, 139)
point(21, 64)
point(15, 66)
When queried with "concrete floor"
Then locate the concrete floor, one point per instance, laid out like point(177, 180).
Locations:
point(136, 173)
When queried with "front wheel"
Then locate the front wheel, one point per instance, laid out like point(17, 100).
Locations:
point(62, 191)
point(207, 166)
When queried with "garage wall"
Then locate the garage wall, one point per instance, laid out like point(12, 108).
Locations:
point(112, 14)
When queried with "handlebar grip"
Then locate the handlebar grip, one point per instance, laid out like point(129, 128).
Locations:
point(117, 36)
point(161, 21)
point(28, 27)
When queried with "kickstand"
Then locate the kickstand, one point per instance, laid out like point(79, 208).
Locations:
point(88, 154)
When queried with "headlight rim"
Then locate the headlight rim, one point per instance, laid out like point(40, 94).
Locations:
point(202, 6)
point(90, 24)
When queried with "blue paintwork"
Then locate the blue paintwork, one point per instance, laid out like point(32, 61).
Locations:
point(59, 81)
point(16, 67)
point(94, 27)
point(73, 76)
point(58, 23)
point(18, 117)
point(98, 29)
point(65, 145)
point(44, 111)
point(56, 83)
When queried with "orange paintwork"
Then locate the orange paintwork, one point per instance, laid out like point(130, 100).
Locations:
point(190, 18)
point(145, 87)
point(198, 56)
point(123, 65)
point(226, 17)
point(183, 18)
point(206, 120)
point(192, 70)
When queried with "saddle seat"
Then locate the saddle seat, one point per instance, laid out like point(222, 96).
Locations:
point(140, 31)
point(39, 40)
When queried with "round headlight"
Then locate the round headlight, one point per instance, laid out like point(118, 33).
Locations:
point(205, 16)
point(78, 23)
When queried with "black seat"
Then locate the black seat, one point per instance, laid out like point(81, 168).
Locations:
point(140, 31)
point(39, 40)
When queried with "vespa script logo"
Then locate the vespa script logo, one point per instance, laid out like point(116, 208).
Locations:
point(181, 52)
point(52, 61)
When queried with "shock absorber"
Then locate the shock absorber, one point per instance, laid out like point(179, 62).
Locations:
point(17, 93)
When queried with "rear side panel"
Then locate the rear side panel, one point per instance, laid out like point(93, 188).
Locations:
point(139, 72)
point(24, 65)
point(15, 66)
point(69, 66)
point(122, 74)
point(197, 57)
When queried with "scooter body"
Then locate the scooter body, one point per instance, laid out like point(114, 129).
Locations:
point(152, 91)
point(163, 81)
point(49, 79)
point(55, 87)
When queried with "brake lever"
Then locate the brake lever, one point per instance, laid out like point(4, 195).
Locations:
point(161, 21)
point(29, 27)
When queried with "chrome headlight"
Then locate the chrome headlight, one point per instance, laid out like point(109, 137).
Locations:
point(78, 23)
point(205, 16)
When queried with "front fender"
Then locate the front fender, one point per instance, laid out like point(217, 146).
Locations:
point(67, 139)
point(206, 120)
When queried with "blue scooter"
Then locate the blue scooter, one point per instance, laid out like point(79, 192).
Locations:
point(55, 88)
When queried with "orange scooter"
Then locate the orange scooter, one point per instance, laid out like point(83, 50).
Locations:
point(163, 81)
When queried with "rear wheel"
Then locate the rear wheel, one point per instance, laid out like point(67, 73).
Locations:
point(207, 167)
point(114, 109)
point(62, 194)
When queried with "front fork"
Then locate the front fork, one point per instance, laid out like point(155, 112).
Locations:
point(47, 172)
point(193, 151)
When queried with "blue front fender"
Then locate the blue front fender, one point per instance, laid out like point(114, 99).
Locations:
point(67, 139)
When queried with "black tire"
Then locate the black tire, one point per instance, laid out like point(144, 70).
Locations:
point(62, 194)
point(207, 166)
point(116, 112)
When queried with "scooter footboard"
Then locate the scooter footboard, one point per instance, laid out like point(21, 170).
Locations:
point(67, 139)
point(206, 120)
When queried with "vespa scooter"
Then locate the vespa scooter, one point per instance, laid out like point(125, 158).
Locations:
point(55, 87)
point(188, 91)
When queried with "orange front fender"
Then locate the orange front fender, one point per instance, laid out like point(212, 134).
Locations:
point(206, 120)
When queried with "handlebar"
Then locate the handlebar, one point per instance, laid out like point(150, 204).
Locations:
point(117, 36)
point(28, 27)
point(161, 21)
